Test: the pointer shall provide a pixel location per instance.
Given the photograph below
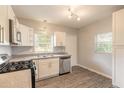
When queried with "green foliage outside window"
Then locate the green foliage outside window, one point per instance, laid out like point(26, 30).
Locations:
point(104, 43)
point(43, 42)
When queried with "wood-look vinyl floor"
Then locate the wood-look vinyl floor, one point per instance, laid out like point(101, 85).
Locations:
point(79, 78)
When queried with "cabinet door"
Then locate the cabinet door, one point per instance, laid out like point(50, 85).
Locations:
point(16, 25)
point(44, 68)
point(118, 27)
point(17, 79)
point(4, 34)
point(31, 36)
point(54, 66)
point(24, 35)
point(48, 67)
point(27, 35)
point(119, 67)
point(11, 14)
point(59, 38)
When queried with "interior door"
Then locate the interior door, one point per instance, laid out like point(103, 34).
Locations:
point(119, 67)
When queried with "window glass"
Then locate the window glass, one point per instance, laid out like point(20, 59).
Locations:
point(104, 42)
point(43, 41)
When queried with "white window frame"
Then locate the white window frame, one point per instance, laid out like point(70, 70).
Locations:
point(96, 44)
point(52, 33)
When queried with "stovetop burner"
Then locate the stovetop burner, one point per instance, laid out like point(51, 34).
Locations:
point(13, 66)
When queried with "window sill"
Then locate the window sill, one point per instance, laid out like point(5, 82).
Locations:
point(103, 52)
point(42, 52)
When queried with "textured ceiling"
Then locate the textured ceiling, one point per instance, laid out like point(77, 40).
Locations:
point(58, 14)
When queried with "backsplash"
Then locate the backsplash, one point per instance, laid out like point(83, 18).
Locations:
point(27, 50)
point(5, 50)
point(21, 50)
point(59, 49)
point(15, 50)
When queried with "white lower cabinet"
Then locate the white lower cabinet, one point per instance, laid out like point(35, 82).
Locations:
point(17, 79)
point(44, 68)
point(47, 68)
point(54, 67)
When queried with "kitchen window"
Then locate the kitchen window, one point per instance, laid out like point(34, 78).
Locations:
point(43, 41)
point(104, 43)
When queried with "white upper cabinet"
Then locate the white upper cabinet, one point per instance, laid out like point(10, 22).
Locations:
point(31, 36)
point(59, 38)
point(11, 14)
point(4, 32)
point(26, 35)
point(15, 31)
point(118, 27)
point(11, 32)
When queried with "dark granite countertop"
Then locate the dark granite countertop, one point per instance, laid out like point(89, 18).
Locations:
point(27, 57)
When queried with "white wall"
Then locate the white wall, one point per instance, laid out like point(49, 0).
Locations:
point(71, 37)
point(100, 62)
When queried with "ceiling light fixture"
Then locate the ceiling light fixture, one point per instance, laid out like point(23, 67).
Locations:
point(78, 19)
point(72, 14)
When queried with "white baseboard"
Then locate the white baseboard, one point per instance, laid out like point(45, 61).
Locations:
point(95, 71)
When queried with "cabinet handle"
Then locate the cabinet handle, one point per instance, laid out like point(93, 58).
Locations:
point(18, 36)
point(2, 34)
